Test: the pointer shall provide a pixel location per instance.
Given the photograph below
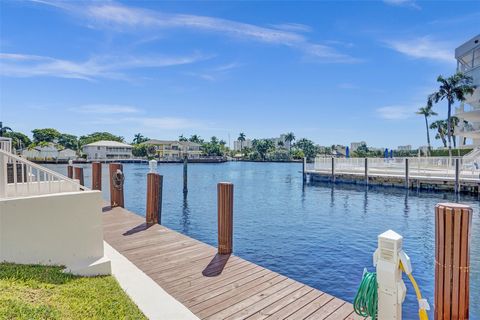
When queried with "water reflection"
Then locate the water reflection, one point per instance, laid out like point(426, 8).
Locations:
point(185, 221)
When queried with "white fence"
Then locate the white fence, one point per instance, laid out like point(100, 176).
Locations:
point(20, 177)
point(421, 167)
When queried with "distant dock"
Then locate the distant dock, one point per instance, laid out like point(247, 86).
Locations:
point(439, 173)
point(215, 286)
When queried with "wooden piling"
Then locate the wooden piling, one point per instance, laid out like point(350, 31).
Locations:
point(225, 217)
point(333, 169)
point(96, 176)
point(70, 172)
point(185, 175)
point(457, 175)
point(452, 260)
point(304, 174)
point(366, 171)
point(154, 198)
point(407, 172)
point(78, 171)
point(116, 185)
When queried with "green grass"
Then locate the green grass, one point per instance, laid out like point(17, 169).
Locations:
point(42, 292)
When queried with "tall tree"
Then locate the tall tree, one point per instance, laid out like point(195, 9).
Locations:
point(195, 138)
point(241, 138)
point(441, 127)
point(19, 140)
point(68, 141)
point(182, 138)
point(427, 112)
point(139, 138)
point(454, 88)
point(308, 148)
point(45, 135)
point(289, 137)
point(4, 130)
point(98, 136)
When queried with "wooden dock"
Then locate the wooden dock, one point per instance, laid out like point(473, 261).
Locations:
point(215, 286)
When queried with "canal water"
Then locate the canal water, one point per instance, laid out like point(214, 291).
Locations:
point(319, 234)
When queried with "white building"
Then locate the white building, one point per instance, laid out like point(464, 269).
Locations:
point(47, 152)
point(238, 145)
point(103, 150)
point(468, 62)
point(408, 147)
point(354, 145)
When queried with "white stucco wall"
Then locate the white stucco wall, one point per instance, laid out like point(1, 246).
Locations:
point(55, 229)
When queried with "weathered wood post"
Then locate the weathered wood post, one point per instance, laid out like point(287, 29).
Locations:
point(452, 260)
point(457, 175)
point(333, 169)
point(185, 176)
point(78, 173)
point(154, 198)
point(366, 171)
point(96, 176)
point(116, 185)
point(225, 217)
point(407, 178)
point(70, 171)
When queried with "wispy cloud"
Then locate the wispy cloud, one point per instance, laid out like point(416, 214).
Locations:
point(295, 27)
point(26, 65)
point(215, 73)
point(105, 109)
point(120, 17)
point(395, 112)
point(424, 48)
point(403, 3)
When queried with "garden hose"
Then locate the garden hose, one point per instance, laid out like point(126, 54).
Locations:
point(366, 300)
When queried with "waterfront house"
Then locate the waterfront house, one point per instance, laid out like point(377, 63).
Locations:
point(67, 154)
point(104, 149)
point(172, 150)
point(47, 152)
point(468, 62)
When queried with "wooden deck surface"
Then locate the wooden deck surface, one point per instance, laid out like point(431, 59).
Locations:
point(214, 286)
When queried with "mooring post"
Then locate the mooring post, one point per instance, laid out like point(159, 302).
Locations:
point(304, 165)
point(96, 176)
point(154, 198)
point(79, 175)
point(457, 175)
point(116, 185)
point(366, 171)
point(225, 217)
point(333, 169)
point(407, 178)
point(185, 176)
point(452, 260)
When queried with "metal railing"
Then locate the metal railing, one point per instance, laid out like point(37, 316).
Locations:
point(426, 167)
point(20, 177)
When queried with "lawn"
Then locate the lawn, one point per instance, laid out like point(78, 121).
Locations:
point(40, 292)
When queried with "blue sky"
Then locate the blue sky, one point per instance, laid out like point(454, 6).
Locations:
point(334, 72)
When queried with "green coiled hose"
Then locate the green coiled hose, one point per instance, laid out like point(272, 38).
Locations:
point(366, 299)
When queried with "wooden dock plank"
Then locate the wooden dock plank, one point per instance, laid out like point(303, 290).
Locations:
point(215, 286)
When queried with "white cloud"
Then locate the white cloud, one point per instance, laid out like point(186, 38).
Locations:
point(117, 16)
point(403, 3)
point(395, 112)
point(105, 109)
point(25, 65)
point(424, 48)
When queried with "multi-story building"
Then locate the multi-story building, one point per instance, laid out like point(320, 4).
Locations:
point(239, 145)
point(408, 147)
point(103, 149)
point(354, 145)
point(468, 62)
point(175, 150)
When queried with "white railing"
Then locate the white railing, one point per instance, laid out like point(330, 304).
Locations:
point(20, 177)
point(421, 167)
point(6, 144)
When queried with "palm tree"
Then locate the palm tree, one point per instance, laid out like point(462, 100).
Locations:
point(289, 137)
point(241, 138)
point(454, 88)
point(138, 138)
point(4, 130)
point(441, 127)
point(427, 112)
point(182, 138)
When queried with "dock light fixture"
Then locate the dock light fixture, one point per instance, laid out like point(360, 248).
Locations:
point(152, 164)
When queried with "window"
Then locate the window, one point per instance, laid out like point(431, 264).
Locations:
point(476, 58)
point(466, 61)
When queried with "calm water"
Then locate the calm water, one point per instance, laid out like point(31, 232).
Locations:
point(318, 234)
